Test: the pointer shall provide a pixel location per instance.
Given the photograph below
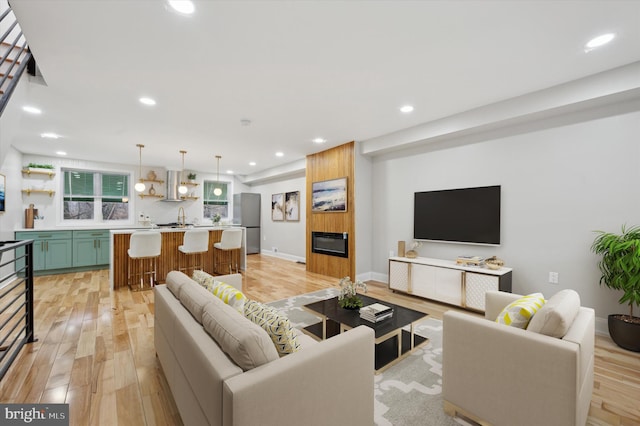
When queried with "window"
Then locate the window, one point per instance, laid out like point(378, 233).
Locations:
point(95, 196)
point(216, 203)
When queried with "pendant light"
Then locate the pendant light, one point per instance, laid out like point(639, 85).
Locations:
point(125, 199)
point(140, 185)
point(182, 188)
point(218, 191)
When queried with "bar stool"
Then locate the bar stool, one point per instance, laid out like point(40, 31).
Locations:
point(144, 250)
point(229, 245)
point(196, 242)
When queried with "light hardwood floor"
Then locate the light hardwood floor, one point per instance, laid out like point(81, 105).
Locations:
point(95, 349)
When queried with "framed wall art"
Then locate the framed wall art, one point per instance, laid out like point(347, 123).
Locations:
point(277, 207)
point(292, 206)
point(329, 195)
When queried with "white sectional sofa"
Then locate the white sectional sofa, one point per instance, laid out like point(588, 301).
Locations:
point(323, 383)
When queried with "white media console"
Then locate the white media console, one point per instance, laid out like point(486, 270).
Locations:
point(446, 281)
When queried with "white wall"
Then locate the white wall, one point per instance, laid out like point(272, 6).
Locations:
point(363, 217)
point(558, 186)
point(287, 237)
point(10, 166)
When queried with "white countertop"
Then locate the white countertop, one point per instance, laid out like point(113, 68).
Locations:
point(132, 230)
point(124, 229)
point(451, 264)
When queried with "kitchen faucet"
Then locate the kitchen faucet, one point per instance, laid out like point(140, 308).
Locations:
point(181, 217)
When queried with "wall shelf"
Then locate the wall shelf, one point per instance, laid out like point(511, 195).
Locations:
point(151, 195)
point(188, 198)
point(152, 180)
point(189, 183)
point(29, 172)
point(39, 191)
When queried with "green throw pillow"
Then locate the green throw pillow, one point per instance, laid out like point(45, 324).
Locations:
point(275, 324)
point(519, 313)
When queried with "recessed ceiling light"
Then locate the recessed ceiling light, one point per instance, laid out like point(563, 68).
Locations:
point(147, 101)
point(31, 110)
point(406, 109)
point(183, 6)
point(596, 42)
point(49, 135)
point(229, 172)
point(61, 153)
point(319, 140)
point(252, 163)
point(279, 154)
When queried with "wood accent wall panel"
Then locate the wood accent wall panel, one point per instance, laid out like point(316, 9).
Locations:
point(168, 260)
point(332, 164)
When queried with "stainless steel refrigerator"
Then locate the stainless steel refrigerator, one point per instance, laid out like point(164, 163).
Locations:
point(246, 212)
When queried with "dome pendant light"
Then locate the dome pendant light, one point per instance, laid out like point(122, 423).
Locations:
point(139, 186)
point(218, 191)
point(182, 188)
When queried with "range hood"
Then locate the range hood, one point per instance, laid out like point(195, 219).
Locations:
point(173, 181)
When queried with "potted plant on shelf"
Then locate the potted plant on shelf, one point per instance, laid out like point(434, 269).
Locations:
point(620, 268)
point(40, 167)
point(192, 177)
point(348, 297)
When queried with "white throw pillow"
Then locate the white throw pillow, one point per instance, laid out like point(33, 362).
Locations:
point(557, 315)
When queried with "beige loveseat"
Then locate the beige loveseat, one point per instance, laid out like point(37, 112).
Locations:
point(323, 383)
point(510, 376)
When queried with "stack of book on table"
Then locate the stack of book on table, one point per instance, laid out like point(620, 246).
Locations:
point(376, 312)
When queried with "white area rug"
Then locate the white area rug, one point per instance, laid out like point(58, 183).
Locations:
point(409, 393)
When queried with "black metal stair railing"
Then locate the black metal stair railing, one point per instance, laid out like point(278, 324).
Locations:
point(15, 56)
point(16, 300)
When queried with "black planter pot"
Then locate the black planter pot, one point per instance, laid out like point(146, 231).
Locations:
point(624, 334)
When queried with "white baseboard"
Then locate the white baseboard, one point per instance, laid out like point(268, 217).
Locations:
point(602, 326)
point(284, 256)
point(377, 276)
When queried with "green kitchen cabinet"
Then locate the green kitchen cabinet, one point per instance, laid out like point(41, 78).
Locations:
point(51, 249)
point(90, 247)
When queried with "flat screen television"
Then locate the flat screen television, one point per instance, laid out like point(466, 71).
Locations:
point(466, 215)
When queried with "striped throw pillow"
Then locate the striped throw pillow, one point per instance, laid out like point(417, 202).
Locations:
point(275, 324)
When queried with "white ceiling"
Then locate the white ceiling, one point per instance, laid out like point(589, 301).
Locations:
point(298, 70)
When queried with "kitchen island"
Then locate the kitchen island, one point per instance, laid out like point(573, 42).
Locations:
point(168, 260)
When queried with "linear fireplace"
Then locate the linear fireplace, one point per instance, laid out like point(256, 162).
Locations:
point(330, 243)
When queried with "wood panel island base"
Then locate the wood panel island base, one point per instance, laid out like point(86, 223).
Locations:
point(446, 281)
point(168, 260)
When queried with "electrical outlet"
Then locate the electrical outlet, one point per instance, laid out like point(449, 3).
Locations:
point(553, 277)
point(274, 249)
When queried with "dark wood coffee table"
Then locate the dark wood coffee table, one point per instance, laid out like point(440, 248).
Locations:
point(392, 342)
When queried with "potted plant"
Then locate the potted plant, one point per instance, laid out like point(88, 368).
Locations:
point(620, 268)
point(40, 167)
point(192, 177)
point(348, 297)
